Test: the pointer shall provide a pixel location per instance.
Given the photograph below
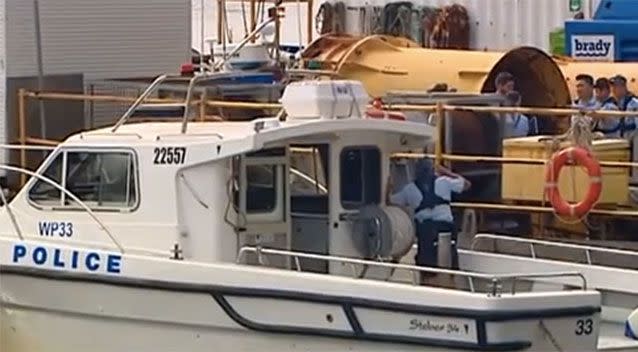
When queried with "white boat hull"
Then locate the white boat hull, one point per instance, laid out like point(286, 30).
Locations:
point(45, 314)
point(54, 315)
point(169, 321)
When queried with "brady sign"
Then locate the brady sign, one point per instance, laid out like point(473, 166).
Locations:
point(593, 47)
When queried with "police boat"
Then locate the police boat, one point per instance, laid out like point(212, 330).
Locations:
point(271, 234)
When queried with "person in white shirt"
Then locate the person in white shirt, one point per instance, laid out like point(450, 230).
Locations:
point(585, 99)
point(517, 124)
point(428, 197)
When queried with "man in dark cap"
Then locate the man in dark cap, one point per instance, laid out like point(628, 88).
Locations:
point(504, 83)
point(609, 126)
point(627, 129)
point(428, 197)
point(626, 100)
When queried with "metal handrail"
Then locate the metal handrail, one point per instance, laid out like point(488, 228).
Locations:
point(66, 192)
point(26, 147)
point(150, 89)
point(112, 134)
point(496, 279)
point(203, 135)
point(189, 94)
point(531, 242)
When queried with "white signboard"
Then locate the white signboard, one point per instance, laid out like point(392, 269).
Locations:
point(593, 47)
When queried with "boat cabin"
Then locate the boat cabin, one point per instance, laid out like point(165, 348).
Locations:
point(295, 183)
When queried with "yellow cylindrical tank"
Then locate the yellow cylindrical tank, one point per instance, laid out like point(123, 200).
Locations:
point(385, 63)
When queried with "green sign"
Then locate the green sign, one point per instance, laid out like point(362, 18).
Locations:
point(575, 5)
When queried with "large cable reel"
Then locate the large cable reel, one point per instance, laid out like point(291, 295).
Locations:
point(383, 232)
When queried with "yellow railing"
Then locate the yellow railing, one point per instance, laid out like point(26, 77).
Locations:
point(439, 156)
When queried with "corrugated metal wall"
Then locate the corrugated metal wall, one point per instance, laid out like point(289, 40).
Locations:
point(99, 39)
point(496, 24)
point(102, 39)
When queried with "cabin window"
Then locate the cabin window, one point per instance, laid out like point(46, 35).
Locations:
point(261, 192)
point(101, 179)
point(308, 176)
point(264, 178)
point(44, 193)
point(360, 171)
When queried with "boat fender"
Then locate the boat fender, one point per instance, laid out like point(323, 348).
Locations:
point(631, 326)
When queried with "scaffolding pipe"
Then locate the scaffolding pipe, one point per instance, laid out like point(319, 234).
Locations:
point(38, 46)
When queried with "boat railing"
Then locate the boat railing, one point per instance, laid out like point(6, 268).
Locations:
point(496, 280)
point(27, 147)
point(60, 188)
point(531, 243)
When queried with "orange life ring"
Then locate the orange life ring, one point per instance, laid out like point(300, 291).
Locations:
point(583, 158)
point(384, 114)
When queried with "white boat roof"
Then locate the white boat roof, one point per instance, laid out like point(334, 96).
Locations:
point(243, 136)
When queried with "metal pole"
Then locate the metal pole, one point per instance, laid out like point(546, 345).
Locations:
point(277, 34)
point(38, 45)
point(22, 131)
point(253, 18)
point(220, 27)
point(438, 143)
point(202, 106)
point(201, 51)
point(309, 20)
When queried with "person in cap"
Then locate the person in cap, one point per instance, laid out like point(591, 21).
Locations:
point(608, 126)
point(504, 83)
point(428, 198)
point(517, 124)
point(626, 101)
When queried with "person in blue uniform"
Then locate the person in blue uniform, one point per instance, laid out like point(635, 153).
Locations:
point(428, 198)
point(608, 126)
point(626, 101)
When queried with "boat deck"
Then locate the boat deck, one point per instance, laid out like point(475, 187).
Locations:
point(612, 339)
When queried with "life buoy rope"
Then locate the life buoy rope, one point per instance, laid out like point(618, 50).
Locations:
point(582, 157)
